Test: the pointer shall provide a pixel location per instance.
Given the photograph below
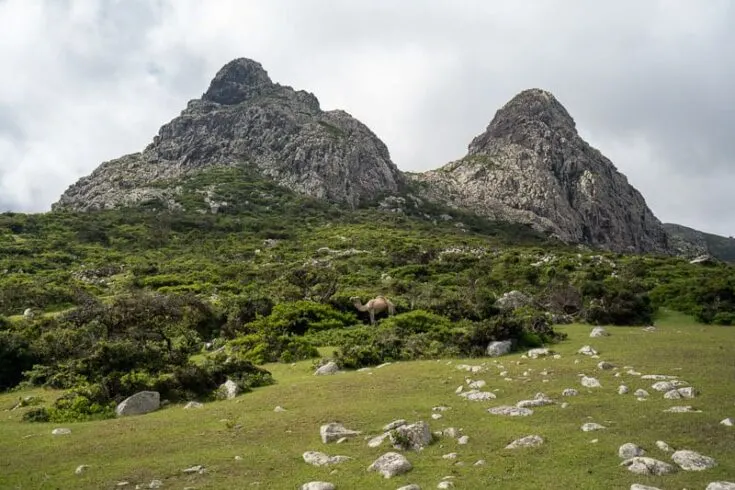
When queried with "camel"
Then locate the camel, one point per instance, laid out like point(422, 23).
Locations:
point(376, 305)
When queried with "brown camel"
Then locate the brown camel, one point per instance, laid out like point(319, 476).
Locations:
point(376, 305)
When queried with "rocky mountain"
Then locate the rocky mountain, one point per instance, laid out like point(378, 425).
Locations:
point(246, 118)
point(531, 166)
point(690, 242)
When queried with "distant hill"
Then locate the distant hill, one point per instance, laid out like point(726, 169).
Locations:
point(691, 242)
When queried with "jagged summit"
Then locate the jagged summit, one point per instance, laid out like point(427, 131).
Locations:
point(245, 118)
point(531, 111)
point(237, 81)
point(531, 166)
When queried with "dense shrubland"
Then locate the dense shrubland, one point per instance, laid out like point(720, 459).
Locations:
point(126, 300)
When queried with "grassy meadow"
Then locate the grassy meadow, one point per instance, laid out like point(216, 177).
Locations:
point(270, 444)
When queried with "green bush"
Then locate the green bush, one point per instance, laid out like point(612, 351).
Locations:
point(16, 357)
point(301, 317)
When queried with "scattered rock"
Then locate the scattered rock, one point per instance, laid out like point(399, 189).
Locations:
point(378, 440)
point(622, 390)
point(682, 409)
point(510, 411)
point(155, 484)
point(195, 469)
point(657, 377)
point(679, 393)
point(630, 450)
point(641, 393)
point(391, 464)
point(279, 409)
point(728, 422)
point(463, 440)
point(440, 408)
point(450, 432)
point(605, 366)
point(570, 392)
point(642, 465)
point(318, 485)
point(591, 426)
point(329, 368)
point(191, 405)
point(228, 390)
point(317, 458)
point(499, 348)
point(140, 403)
point(693, 461)
point(472, 369)
point(528, 441)
point(638, 486)
point(415, 436)
point(436, 416)
point(564, 405)
point(538, 401)
point(588, 382)
point(81, 469)
point(649, 328)
point(476, 385)
point(412, 486)
point(480, 462)
point(445, 484)
point(587, 350)
point(663, 386)
point(335, 431)
point(449, 456)
point(512, 300)
point(394, 425)
point(663, 446)
point(599, 332)
point(721, 485)
point(61, 431)
point(538, 352)
point(476, 396)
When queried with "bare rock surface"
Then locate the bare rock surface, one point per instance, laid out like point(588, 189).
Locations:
point(334, 431)
point(693, 461)
point(630, 450)
point(391, 464)
point(318, 485)
point(316, 458)
point(414, 436)
point(642, 465)
point(138, 404)
point(528, 441)
point(510, 411)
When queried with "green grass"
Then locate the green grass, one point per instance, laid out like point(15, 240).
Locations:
point(161, 444)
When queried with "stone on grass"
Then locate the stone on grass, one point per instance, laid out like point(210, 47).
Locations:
point(693, 461)
point(605, 366)
point(412, 486)
point(463, 440)
point(663, 446)
point(538, 352)
point(436, 416)
point(598, 332)
point(642, 465)
point(335, 431)
point(316, 458)
point(630, 450)
point(538, 401)
point(329, 368)
point(440, 408)
point(378, 440)
point(445, 484)
point(449, 456)
point(638, 486)
point(622, 390)
point(657, 377)
point(391, 464)
point(318, 485)
point(589, 382)
point(155, 484)
point(394, 425)
point(478, 396)
point(663, 386)
point(61, 431)
point(450, 432)
point(229, 390)
point(528, 441)
point(140, 403)
point(510, 411)
point(415, 436)
point(587, 350)
point(279, 409)
point(570, 392)
point(591, 426)
point(81, 469)
point(721, 485)
point(641, 393)
point(191, 405)
point(728, 422)
point(498, 348)
point(476, 385)
point(682, 409)
point(195, 469)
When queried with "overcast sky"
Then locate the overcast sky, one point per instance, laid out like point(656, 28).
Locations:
point(649, 83)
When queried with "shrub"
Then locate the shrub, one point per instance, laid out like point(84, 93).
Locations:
point(301, 317)
point(16, 357)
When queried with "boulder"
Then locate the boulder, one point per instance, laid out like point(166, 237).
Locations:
point(570, 392)
point(630, 450)
point(335, 431)
point(592, 426)
point(587, 350)
point(589, 382)
point(512, 300)
point(192, 404)
point(528, 441)
point(316, 458)
point(140, 403)
point(721, 485)
point(391, 464)
point(329, 368)
point(498, 348)
point(539, 352)
point(510, 411)
point(318, 485)
point(693, 461)
point(622, 390)
point(228, 390)
point(663, 446)
point(638, 486)
point(415, 436)
point(642, 465)
point(476, 395)
point(598, 332)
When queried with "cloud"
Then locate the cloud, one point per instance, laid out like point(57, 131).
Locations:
point(647, 81)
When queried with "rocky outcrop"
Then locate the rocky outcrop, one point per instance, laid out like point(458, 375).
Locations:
point(693, 243)
point(530, 166)
point(245, 118)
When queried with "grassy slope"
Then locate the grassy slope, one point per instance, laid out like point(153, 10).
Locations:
point(159, 445)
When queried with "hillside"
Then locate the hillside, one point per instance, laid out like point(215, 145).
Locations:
point(690, 242)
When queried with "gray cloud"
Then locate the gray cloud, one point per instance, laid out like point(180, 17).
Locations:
point(647, 81)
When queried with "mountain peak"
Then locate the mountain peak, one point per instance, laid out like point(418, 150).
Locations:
point(531, 112)
point(238, 81)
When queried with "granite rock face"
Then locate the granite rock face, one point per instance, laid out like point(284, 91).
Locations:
point(531, 166)
point(245, 118)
